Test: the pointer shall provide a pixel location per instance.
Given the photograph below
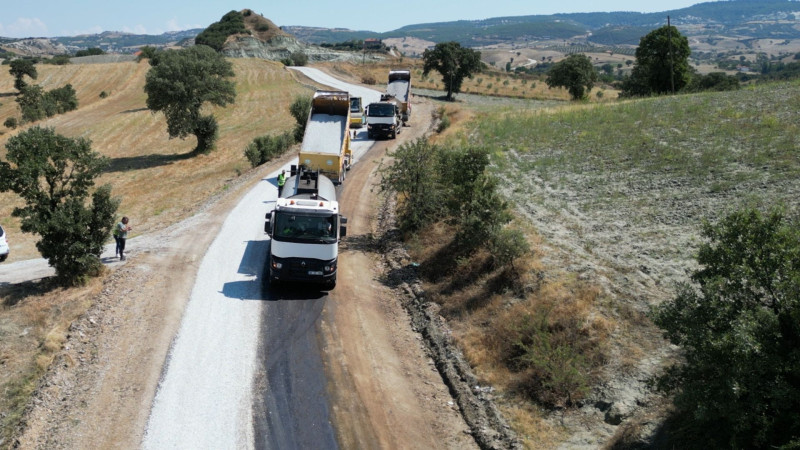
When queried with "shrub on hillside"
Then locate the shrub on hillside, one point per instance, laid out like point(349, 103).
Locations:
point(11, 123)
point(264, 148)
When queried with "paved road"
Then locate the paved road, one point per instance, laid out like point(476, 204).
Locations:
point(245, 369)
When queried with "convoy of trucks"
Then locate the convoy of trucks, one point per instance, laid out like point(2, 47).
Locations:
point(305, 228)
point(326, 141)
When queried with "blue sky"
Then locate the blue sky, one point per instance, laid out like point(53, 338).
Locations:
point(49, 18)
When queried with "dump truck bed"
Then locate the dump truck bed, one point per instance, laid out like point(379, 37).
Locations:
point(398, 89)
point(324, 134)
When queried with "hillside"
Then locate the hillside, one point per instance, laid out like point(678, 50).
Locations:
point(151, 157)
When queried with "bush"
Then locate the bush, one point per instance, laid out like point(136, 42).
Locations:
point(264, 148)
point(300, 109)
point(506, 246)
point(207, 131)
point(444, 120)
point(553, 347)
point(368, 80)
point(11, 123)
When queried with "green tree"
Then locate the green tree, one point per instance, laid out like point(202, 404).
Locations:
point(54, 176)
point(181, 82)
point(18, 68)
point(575, 73)
point(300, 109)
point(454, 62)
point(147, 52)
point(739, 329)
point(662, 64)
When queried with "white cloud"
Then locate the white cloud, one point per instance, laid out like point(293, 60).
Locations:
point(173, 25)
point(136, 29)
point(24, 27)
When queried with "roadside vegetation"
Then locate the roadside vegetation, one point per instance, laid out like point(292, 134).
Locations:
point(612, 200)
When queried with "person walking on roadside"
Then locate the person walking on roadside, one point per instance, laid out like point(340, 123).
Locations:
point(120, 235)
point(281, 182)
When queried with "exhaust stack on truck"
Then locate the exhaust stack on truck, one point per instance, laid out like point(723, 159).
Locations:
point(305, 228)
point(326, 141)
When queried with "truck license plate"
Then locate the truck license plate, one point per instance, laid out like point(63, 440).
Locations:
point(315, 272)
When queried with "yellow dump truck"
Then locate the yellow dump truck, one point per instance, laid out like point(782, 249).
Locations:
point(326, 142)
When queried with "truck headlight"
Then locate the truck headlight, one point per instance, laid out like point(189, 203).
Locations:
point(277, 265)
point(330, 268)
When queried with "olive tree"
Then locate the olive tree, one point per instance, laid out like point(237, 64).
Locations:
point(454, 62)
point(180, 82)
point(575, 73)
point(55, 177)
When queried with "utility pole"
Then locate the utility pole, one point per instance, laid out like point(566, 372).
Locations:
point(671, 69)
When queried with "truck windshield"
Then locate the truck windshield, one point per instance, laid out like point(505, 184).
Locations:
point(305, 228)
point(377, 110)
point(355, 104)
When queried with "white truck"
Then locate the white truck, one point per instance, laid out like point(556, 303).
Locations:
point(383, 119)
point(305, 228)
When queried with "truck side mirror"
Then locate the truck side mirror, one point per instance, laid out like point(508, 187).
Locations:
point(268, 224)
point(343, 226)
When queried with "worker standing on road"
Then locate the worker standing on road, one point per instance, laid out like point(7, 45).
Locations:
point(120, 235)
point(281, 181)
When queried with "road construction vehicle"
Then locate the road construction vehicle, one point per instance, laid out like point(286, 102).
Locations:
point(399, 87)
point(358, 118)
point(326, 141)
point(305, 228)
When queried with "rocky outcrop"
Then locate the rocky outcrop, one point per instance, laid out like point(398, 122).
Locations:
point(37, 47)
point(281, 47)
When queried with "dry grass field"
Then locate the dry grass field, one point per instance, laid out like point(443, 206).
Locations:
point(156, 178)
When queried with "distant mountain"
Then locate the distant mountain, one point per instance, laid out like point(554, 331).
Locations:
point(740, 21)
point(117, 42)
point(754, 19)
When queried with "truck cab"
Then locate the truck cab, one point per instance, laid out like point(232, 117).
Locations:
point(305, 228)
point(383, 120)
point(358, 117)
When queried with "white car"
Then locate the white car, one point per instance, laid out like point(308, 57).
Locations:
point(3, 245)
